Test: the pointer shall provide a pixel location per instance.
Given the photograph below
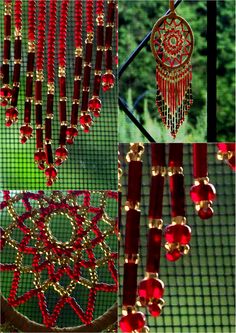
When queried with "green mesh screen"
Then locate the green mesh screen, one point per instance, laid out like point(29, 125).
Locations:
point(199, 288)
point(61, 230)
point(92, 158)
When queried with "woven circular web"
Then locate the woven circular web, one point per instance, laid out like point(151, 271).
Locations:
point(58, 246)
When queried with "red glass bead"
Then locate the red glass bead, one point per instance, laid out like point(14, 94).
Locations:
point(61, 155)
point(26, 132)
point(85, 119)
point(151, 288)
point(154, 309)
point(173, 255)
point(4, 102)
point(108, 81)
point(95, 105)
point(178, 233)
point(132, 322)
point(5, 92)
point(51, 172)
point(202, 192)
point(11, 115)
point(205, 213)
point(71, 133)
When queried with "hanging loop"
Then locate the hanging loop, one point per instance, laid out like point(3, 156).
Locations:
point(172, 5)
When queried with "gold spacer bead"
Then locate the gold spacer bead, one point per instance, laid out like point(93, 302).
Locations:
point(128, 309)
point(61, 71)
point(89, 38)
point(132, 205)
point(39, 75)
point(155, 223)
point(159, 170)
point(63, 99)
point(202, 180)
point(136, 149)
point(132, 258)
point(79, 52)
point(179, 220)
point(175, 170)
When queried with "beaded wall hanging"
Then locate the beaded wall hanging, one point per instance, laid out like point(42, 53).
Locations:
point(48, 38)
point(172, 47)
point(73, 272)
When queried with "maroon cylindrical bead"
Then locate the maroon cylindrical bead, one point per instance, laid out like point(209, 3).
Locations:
point(77, 85)
point(119, 208)
point(38, 90)
point(78, 66)
point(7, 25)
point(109, 59)
point(134, 184)
point(175, 155)
point(30, 62)
point(158, 154)
point(50, 99)
point(29, 86)
point(132, 232)
point(15, 94)
point(100, 34)
point(177, 195)
point(130, 284)
point(98, 63)
point(62, 110)
point(49, 155)
point(88, 52)
point(154, 250)
point(7, 49)
point(38, 112)
point(111, 12)
point(86, 81)
point(62, 139)
point(48, 129)
point(62, 86)
point(74, 114)
point(200, 168)
point(17, 49)
point(5, 72)
point(156, 197)
point(108, 39)
point(27, 112)
point(39, 138)
point(85, 97)
point(96, 86)
point(16, 73)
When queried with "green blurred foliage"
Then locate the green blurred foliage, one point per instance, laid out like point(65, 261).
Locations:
point(138, 86)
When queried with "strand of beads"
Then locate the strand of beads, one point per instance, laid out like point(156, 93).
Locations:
point(132, 320)
point(177, 234)
point(108, 79)
point(202, 192)
point(95, 103)
point(61, 152)
point(12, 111)
point(6, 92)
point(151, 288)
point(40, 156)
point(227, 153)
point(72, 130)
point(26, 130)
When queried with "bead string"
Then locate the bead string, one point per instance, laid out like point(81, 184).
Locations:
point(72, 130)
point(26, 130)
point(202, 192)
point(130, 315)
point(12, 112)
point(177, 234)
point(6, 91)
point(108, 79)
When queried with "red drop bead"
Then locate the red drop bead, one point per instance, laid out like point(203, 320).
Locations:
point(85, 119)
point(5, 92)
point(4, 102)
point(178, 233)
point(202, 192)
point(108, 81)
point(95, 105)
point(51, 173)
point(154, 309)
point(12, 114)
point(132, 322)
point(8, 123)
point(86, 129)
point(62, 153)
point(151, 288)
point(205, 213)
point(71, 133)
point(173, 255)
point(26, 130)
point(39, 156)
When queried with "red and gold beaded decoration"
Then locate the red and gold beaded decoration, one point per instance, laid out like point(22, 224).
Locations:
point(177, 234)
point(72, 130)
point(76, 259)
point(151, 288)
point(172, 46)
point(95, 103)
point(132, 320)
point(226, 153)
point(6, 92)
point(202, 192)
point(108, 79)
point(85, 117)
point(26, 130)
point(12, 111)
point(40, 156)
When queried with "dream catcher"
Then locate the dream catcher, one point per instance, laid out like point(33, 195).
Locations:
point(148, 292)
point(47, 29)
point(172, 46)
point(59, 267)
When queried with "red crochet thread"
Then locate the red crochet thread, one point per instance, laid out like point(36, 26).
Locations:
point(41, 34)
point(18, 14)
point(63, 33)
point(78, 22)
point(89, 16)
point(31, 20)
point(52, 40)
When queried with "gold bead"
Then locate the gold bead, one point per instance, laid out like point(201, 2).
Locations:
point(155, 223)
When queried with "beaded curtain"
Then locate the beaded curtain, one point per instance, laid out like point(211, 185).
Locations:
point(199, 287)
point(92, 158)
